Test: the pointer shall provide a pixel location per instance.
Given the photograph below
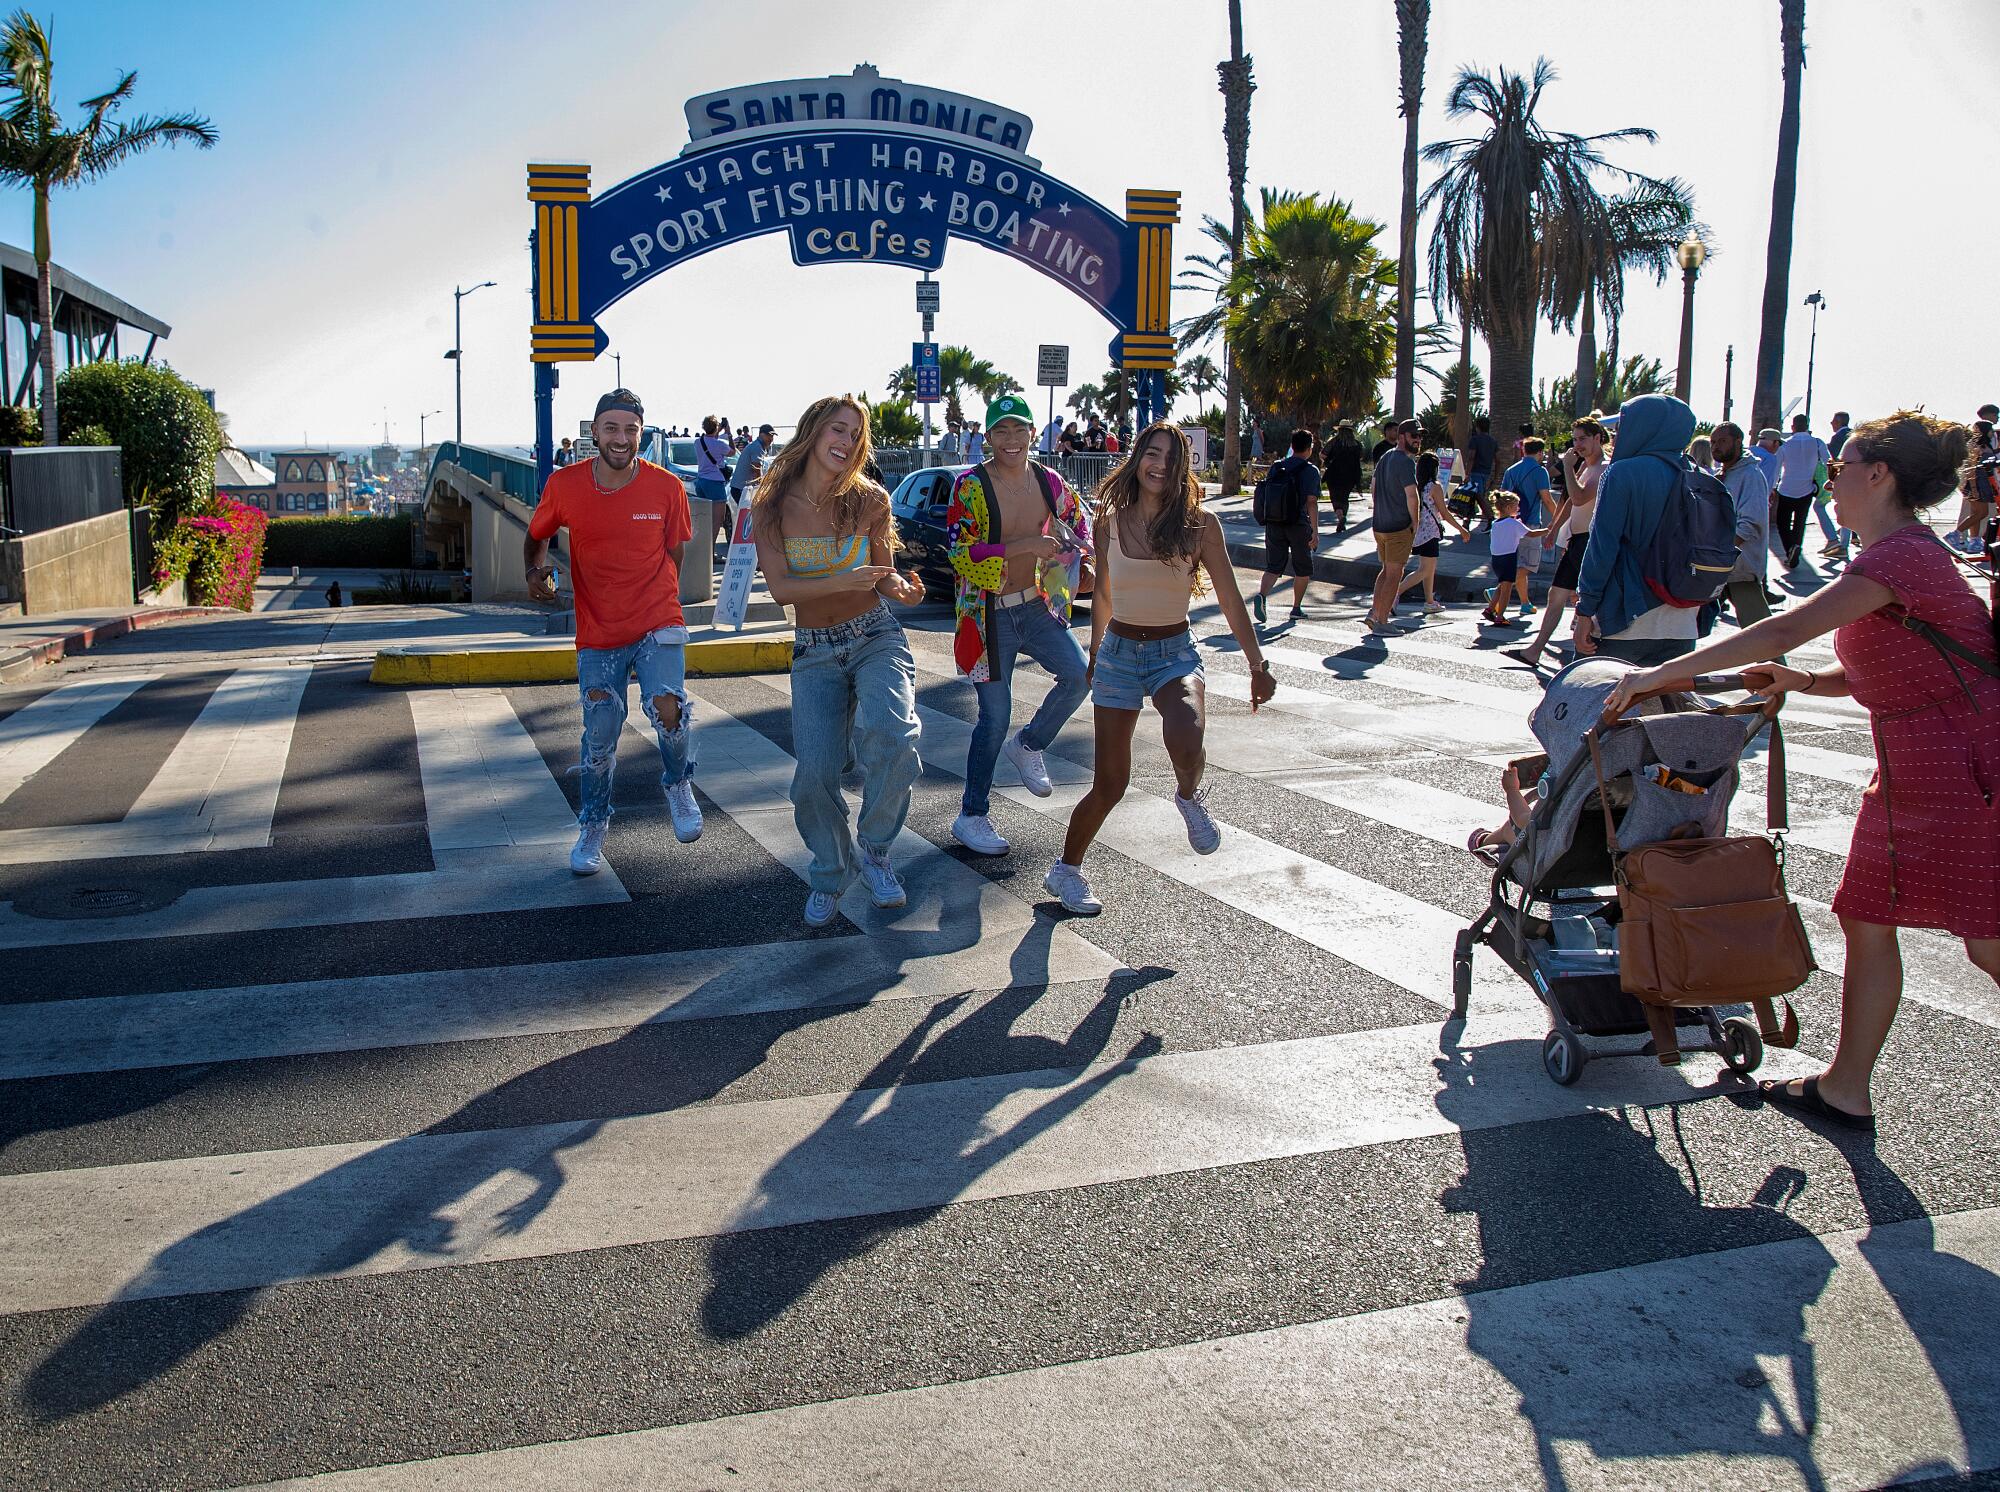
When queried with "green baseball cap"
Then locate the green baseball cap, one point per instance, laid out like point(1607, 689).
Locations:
point(1009, 407)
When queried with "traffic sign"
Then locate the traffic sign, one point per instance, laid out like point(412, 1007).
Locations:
point(927, 296)
point(930, 382)
point(1052, 367)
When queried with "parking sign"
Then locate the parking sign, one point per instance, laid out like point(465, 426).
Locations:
point(930, 383)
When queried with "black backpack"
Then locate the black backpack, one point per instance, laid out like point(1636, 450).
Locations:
point(1276, 499)
point(1694, 548)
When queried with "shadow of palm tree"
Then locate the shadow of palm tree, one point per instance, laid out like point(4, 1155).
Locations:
point(398, 1195)
point(898, 1149)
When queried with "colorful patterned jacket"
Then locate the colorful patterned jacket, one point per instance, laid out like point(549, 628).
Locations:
point(981, 564)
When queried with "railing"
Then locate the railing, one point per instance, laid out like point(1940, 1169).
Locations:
point(1083, 470)
point(41, 489)
point(512, 470)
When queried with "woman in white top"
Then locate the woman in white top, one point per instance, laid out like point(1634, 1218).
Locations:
point(1582, 466)
point(1432, 516)
point(1153, 541)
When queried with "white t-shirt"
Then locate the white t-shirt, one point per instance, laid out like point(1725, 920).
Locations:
point(1660, 624)
point(1506, 535)
point(1802, 454)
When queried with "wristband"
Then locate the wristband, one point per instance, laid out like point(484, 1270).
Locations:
point(1812, 680)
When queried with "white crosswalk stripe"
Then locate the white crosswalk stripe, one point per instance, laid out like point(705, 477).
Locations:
point(143, 1267)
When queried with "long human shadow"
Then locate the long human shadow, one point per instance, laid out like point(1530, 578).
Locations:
point(890, 1156)
point(397, 1194)
point(1604, 1198)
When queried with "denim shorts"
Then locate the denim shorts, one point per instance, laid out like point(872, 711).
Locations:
point(1129, 673)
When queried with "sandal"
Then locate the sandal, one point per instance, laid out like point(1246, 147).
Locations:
point(1809, 1104)
point(1482, 848)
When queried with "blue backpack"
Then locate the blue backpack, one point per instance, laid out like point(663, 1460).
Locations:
point(1694, 548)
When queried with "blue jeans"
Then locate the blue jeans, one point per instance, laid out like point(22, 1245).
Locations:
point(1033, 629)
point(602, 677)
point(854, 690)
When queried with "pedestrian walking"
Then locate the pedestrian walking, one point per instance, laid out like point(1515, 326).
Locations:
point(711, 473)
point(748, 468)
point(1801, 457)
point(333, 595)
point(1289, 492)
point(1340, 473)
point(629, 524)
point(975, 444)
point(1394, 495)
point(1154, 542)
point(1528, 479)
point(1915, 646)
point(1013, 528)
point(825, 544)
point(1432, 518)
point(1616, 613)
point(1503, 541)
point(1481, 452)
point(1582, 465)
point(565, 453)
point(1748, 596)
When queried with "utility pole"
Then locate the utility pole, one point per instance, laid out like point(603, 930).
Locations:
point(1728, 378)
point(1818, 303)
point(457, 356)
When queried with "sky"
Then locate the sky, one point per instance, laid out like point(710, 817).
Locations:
point(372, 153)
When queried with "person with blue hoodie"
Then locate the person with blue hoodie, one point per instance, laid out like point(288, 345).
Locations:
point(1616, 615)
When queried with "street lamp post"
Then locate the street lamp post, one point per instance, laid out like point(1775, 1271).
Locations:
point(423, 444)
point(457, 356)
point(1690, 253)
point(1817, 302)
point(618, 360)
point(1728, 378)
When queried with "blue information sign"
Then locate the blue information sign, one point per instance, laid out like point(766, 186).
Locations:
point(930, 381)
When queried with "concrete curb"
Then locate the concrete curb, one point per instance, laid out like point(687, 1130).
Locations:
point(713, 658)
point(17, 663)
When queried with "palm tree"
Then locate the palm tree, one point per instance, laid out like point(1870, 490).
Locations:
point(1587, 259)
point(1413, 22)
point(1086, 399)
point(1770, 391)
point(38, 153)
point(1311, 316)
point(1496, 199)
point(1237, 86)
point(1200, 374)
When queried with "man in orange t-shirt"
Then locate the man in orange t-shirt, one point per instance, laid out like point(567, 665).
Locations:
point(628, 524)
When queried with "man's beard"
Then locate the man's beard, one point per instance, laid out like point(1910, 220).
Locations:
point(618, 461)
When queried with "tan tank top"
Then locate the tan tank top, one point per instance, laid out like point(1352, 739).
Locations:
point(1144, 592)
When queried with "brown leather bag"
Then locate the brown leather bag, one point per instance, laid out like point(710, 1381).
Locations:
point(1707, 921)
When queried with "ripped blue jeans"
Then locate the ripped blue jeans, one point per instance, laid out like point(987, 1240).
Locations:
point(602, 678)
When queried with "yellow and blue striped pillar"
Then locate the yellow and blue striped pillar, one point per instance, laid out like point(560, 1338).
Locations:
point(560, 333)
point(1147, 348)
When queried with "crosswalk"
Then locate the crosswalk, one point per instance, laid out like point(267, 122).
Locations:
point(341, 1150)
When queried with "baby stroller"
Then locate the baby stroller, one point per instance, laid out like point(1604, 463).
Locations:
point(1668, 769)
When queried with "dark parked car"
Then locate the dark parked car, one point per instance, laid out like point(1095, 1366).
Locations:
point(917, 506)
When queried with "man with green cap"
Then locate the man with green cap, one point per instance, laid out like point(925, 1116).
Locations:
point(1015, 530)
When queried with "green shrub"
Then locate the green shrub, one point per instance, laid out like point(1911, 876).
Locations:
point(167, 431)
point(404, 589)
point(374, 542)
point(19, 426)
point(91, 435)
point(218, 550)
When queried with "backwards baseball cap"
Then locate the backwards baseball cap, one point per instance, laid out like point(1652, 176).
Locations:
point(1009, 407)
point(766, 430)
point(1767, 433)
point(623, 399)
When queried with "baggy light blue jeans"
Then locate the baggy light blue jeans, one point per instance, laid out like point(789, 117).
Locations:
point(1033, 629)
point(854, 689)
point(602, 678)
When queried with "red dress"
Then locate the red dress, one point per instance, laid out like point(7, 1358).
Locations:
point(1926, 849)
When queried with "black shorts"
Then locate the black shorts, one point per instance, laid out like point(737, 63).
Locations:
point(1288, 549)
point(1569, 569)
point(1426, 550)
point(1506, 567)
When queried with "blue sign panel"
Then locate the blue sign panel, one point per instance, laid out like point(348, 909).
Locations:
point(846, 195)
point(930, 377)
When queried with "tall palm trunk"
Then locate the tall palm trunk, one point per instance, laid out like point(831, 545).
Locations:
point(1413, 19)
point(1510, 387)
point(45, 312)
point(1461, 414)
point(1236, 90)
point(1769, 397)
point(1585, 392)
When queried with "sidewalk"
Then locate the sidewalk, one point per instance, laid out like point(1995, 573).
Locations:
point(1464, 571)
point(27, 643)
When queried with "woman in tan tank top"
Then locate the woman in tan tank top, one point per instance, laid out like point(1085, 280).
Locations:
point(1153, 539)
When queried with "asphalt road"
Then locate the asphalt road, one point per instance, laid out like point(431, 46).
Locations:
point(346, 1137)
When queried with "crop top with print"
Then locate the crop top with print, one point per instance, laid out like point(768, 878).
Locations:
point(817, 557)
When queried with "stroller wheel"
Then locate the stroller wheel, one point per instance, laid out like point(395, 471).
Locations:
point(1563, 1056)
point(1742, 1045)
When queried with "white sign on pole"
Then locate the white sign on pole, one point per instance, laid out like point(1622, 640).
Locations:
point(732, 601)
point(927, 297)
point(1052, 367)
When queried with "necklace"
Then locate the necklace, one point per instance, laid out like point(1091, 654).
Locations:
point(602, 490)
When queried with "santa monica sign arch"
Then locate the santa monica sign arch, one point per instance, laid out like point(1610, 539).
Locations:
point(851, 169)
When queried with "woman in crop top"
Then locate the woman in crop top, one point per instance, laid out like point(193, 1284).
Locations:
point(824, 540)
point(1153, 540)
point(1582, 465)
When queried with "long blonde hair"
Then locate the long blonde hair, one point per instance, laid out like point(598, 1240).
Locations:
point(858, 501)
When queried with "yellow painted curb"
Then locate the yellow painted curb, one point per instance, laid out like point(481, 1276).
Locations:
point(713, 658)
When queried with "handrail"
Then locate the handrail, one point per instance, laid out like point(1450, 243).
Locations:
point(512, 470)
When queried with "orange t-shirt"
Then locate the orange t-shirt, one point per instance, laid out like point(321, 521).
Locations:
point(621, 547)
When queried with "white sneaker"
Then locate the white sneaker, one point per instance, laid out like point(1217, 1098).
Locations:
point(1433, 606)
point(883, 887)
point(978, 835)
point(1204, 834)
point(1067, 885)
point(821, 908)
point(1034, 771)
point(587, 859)
point(686, 812)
